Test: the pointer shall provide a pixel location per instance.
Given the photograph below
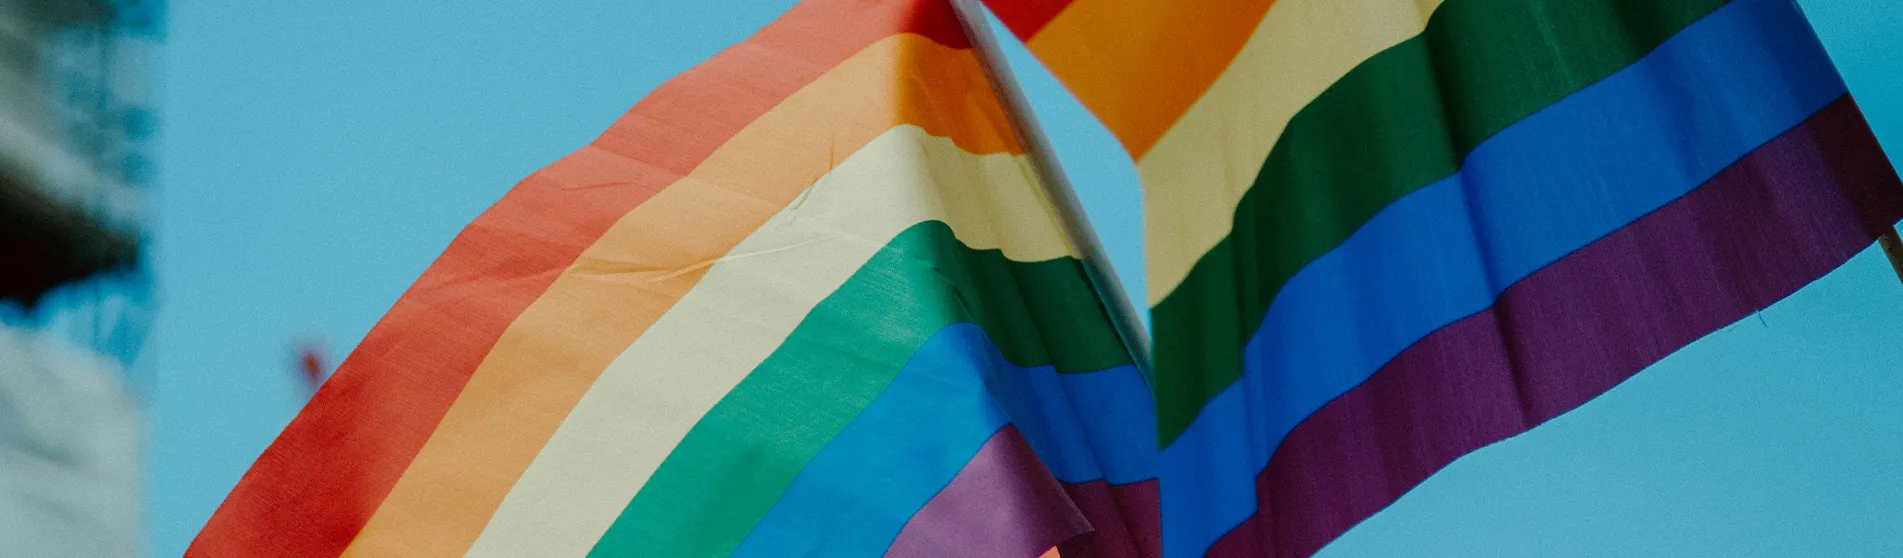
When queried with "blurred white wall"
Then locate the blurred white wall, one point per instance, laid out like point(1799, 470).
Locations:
point(69, 444)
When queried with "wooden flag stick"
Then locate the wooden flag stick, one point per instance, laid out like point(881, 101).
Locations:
point(1893, 247)
point(1057, 187)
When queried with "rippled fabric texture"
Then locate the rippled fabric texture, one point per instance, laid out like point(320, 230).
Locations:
point(1385, 233)
point(805, 299)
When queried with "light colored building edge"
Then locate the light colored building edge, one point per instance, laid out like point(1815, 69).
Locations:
point(69, 424)
point(69, 450)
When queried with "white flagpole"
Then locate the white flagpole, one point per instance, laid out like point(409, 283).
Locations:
point(1037, 148)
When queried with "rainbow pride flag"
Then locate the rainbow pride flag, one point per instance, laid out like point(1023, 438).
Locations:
point(1385, 233)
point(804, 299)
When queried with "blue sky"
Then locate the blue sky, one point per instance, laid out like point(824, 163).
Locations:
point(317, 156)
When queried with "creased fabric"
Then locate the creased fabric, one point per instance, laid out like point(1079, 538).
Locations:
point(1385, 233)
point(804, 299)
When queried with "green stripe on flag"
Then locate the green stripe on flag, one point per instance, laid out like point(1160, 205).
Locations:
point(1398, 122)
point(737, 461)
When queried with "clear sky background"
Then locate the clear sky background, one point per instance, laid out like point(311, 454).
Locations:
point(319, 155)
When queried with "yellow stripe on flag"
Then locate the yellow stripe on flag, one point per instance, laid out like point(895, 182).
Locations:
point(647, 261)
point(749, 302)
point(1195, 175)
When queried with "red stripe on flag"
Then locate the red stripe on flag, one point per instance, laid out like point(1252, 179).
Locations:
point(313, 489)
point(1026, 17)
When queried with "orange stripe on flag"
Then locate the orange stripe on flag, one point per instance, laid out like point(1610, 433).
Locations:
point(1139, 64)
point(313, 489)
point(624, 283)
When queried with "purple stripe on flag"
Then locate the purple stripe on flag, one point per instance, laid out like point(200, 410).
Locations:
point(1782, 217)
point(1125, 519)
point(1004, 503)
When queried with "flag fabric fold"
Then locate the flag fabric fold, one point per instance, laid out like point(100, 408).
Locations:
point(1385, 233)
point(804, 299)
point(809, 299)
